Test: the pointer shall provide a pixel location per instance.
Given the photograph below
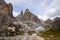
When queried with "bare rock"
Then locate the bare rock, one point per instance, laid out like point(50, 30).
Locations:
point(30, 16)
point(6, 16)
point(29, 21)
point(56, 23)
point(20, 17)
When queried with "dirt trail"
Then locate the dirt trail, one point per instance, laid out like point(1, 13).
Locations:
point(32, 37)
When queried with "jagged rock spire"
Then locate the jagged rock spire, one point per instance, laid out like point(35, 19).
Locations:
point(27, 10)
point(20, 17)
point(28, 16)
point(10, 9)
point(5, 12)
point(5, 8)
point(2, 2)
point(21, 13)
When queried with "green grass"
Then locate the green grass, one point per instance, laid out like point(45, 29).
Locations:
point(55, 33)
point(51, 35)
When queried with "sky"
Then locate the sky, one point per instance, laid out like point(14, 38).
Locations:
point(44, 9)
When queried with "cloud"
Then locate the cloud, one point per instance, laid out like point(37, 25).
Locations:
point(55, 3)
point(15, 13)
point(43, 17)
point(44, 9)
point(51, 11)
point(15, 2)
point(54, 9)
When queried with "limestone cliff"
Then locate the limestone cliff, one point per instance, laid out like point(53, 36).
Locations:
point(5, 13)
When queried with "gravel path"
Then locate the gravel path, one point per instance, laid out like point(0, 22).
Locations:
point(26, 36)
point(32, 37)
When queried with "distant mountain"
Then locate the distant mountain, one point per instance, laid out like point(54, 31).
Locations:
point(56, 23)
point(28, 16)
point(29, 20)
point(48, 23)
point(20, 17)
point(53, 24)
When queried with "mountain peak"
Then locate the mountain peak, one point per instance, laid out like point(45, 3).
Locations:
point(5, 11)
point(21, 13)
point(2, 2)
point(27, 10)
point(5, 8)
point(28, 16)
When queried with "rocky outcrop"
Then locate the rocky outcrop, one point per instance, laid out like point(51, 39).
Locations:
point(56, 23)
point(6, 16)
point(53, 24)
point(6, 8)
point(28, 16)
point(48, 23)
point(20, 17)
point(29, 21)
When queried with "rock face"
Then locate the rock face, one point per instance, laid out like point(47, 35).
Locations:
point(28, 16)
point(48, 23)
point(53, 24)
point(5, 8)
point(20, 17)
point(5, 13)
point(26, 21)
point(29, 21)
point(56, 23)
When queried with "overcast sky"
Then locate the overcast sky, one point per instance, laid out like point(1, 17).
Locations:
point(44, 9)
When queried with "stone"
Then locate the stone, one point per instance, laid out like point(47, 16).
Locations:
point(30, 16)
point(56, 23)
point(20, 17)
point(29, 21)
point(6, 16)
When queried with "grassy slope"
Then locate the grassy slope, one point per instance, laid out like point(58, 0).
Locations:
point(51, 35)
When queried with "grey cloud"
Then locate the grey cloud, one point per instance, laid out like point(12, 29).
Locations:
point(56, 13)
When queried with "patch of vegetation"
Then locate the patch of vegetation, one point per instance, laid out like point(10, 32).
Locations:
point(20, 33)
point(31, 32)
point(51, 35)
point(9, 33)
